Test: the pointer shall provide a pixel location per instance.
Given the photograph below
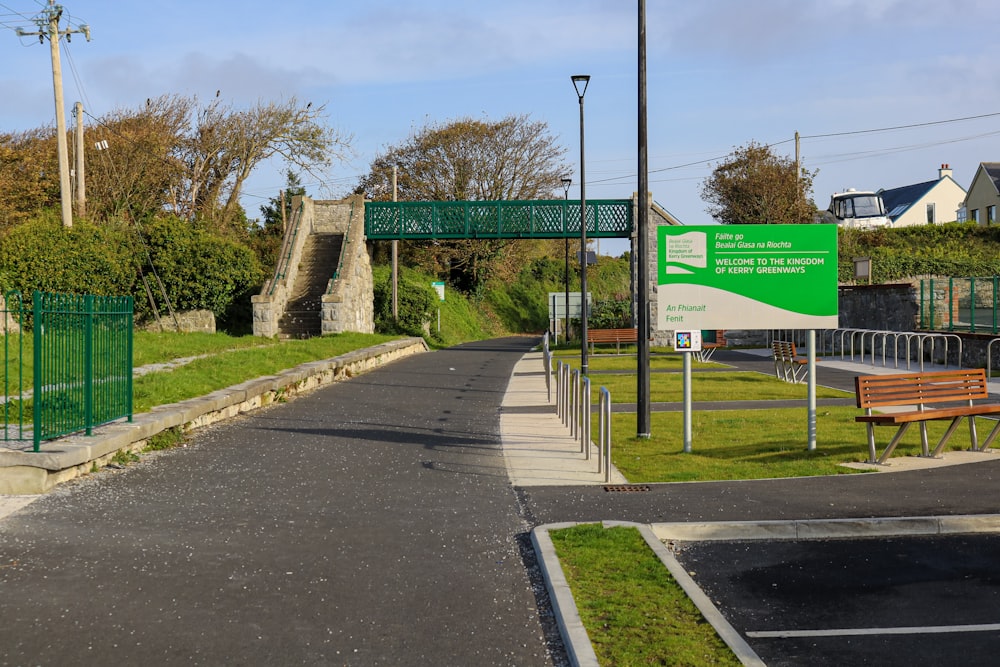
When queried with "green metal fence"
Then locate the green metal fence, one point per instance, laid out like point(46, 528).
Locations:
point(80, 364)
point(540, 219)
point(960, 304)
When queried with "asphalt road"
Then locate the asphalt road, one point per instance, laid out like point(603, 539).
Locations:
point(369, 523)
point(914, 601)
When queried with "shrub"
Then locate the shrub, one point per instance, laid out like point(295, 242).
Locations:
point(416, 300)
point(201, 270)
point(83, 259)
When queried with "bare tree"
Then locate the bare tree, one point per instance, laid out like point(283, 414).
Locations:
point(193, 160)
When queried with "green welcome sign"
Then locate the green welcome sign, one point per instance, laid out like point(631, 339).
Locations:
point(747, 277)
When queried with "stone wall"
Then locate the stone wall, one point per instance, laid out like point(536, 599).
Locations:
point(192, 321)
point(349, 304)
point(269, 305)
point(892, 307)
point(8, 324)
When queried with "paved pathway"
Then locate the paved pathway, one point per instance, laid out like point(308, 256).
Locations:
point(369, 523)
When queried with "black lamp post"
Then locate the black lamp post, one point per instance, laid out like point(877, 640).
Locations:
point(566, 182)
point(580, 83)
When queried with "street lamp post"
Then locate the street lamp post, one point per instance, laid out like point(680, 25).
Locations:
point(566, 182)
point(580, 83)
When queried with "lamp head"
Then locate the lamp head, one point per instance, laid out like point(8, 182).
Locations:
point(580, 83)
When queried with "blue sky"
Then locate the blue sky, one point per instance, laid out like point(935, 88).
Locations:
point(721, 73)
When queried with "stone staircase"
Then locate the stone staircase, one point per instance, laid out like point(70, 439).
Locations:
point(320, 258)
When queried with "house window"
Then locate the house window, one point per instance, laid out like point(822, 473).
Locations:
point(974, 215)
point(930, 214)
point(991, 214)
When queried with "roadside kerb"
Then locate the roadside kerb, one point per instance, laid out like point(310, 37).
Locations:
point(819, 529)
point(575, 637)
point(60, 460)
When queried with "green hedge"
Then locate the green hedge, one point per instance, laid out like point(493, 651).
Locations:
point(952, 249)
point(199, 270)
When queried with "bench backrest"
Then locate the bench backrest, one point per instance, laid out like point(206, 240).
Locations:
point(783, 349)
point(874, 391)
point(613, 334)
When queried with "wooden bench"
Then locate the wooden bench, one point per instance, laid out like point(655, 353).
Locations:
point(708, 347)
point(787, 362)
point(916, 391)
point(616, 336)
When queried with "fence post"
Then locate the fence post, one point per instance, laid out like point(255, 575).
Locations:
point(88, 363)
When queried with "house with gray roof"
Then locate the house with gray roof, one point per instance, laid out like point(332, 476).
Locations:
point(984, 195)
point(925, 203)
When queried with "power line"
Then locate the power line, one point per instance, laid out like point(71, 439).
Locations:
point(847, 156)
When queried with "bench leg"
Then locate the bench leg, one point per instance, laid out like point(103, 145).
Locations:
point(924, 445)
point(947, 435)
point(895, 441)
point(872, 456)
point(989, 439)
point(973, 436)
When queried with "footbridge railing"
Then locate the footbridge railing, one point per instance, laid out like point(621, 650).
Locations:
point(539, 219)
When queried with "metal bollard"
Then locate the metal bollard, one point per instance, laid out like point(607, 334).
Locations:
point(574, 412)
point(559, 389)
point(604, 433)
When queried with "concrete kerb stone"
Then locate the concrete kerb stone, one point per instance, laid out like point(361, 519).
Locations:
point(26, 472)
point(820, 529)
point(574, 634)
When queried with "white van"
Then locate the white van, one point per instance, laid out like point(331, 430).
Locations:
point(858, 210)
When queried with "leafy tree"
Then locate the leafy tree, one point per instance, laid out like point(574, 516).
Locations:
point(469, 159)
point(29, 175)
point(755, 186)
point(129, 178)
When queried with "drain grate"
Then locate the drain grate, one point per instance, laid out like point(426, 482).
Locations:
point(626, 488)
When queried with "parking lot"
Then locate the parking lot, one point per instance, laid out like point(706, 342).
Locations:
point(889, 601)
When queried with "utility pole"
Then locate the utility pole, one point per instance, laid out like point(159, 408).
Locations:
point(81, 180)
point(798, 159)
point(48, 26)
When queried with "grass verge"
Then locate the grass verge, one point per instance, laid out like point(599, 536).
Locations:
point(239, 364)
point(635, 613)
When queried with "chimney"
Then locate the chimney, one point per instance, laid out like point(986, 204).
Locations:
point(944, 171)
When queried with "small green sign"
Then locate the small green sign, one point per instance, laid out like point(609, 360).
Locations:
point(747, 277)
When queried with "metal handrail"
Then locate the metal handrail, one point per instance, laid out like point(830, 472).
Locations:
point(285, 254)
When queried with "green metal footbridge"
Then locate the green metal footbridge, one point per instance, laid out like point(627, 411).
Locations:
point(540, 219)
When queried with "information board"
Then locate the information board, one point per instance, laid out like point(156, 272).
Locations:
point(747, 277)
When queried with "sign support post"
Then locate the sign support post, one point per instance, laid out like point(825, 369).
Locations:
point(687, 343)
point(811, 390)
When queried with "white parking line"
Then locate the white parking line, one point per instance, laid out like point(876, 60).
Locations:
point(854, 632)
